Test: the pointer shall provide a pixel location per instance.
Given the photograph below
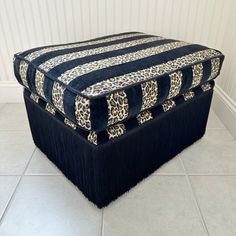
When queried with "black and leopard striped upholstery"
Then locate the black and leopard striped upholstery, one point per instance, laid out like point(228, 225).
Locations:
point(98, 85)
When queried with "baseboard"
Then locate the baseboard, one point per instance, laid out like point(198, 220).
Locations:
point(11, 92)
point(225, 108)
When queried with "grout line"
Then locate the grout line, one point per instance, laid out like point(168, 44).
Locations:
point(194, 198)
point(212, 174)
point(14, 192)
point(154, 174)
point(168, 174)
point(102, 225)
point(43, 174)
point(216, 128)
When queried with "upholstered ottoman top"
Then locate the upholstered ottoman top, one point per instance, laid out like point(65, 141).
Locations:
point(101, 82)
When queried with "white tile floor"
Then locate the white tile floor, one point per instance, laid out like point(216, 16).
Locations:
point(193, 194)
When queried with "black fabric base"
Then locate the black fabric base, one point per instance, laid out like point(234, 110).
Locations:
point(106, 171)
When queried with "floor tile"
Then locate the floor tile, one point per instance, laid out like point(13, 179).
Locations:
point(7, 187)
point(173, 166)
point(16, 149)
point(214, 153)
point(160, 205)
point(41, 165)
point(214, 122)
point(1, 105)
point(13, 117)
point(50, 205)
point(216, 198)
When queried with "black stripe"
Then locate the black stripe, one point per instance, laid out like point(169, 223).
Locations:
point(134, 96)
point(98, 117)
point(60, 69)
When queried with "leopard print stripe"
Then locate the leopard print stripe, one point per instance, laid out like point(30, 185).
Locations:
point(188, 95)
point(82, 112)
point(34, 97)
point(23, 72)
point(50, 109)
point(32, 56)
point(117, 104)
point(168, 104)
point(116, 130)
point(57, 96)
point(215, 67)
point(149, 94)
point(92, 137)
point(175, 84)
point(205, 87)
point(122, 81)
point(80, 70)
point(53, 62)
point(39, 82)
point(69, 123)
point(144, 116)
point(197, 74)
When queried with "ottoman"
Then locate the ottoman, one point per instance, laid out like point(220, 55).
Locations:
point(109, 111)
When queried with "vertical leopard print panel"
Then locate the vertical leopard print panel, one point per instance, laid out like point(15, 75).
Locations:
point(57, 96)
point(34, 97)
point(117, 107)
point(167, 105)
point(50, 109)
point(39, 82)
point(205, 87)
point(23, 73)
point(149, 94)
point(188, 95)
point(69, 123)
point(197, 74)
point(215, 67)
point(175, 84)
point(144, 116)
point(82, 112)
point(116, 130)
point(92, 137)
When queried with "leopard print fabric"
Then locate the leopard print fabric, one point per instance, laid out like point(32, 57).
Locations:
point(175, 84)
point(80, 70)
point(57, 96)
point(149, 94)
point(168, 104)
point(117, 104)
point(50, 109)
point(215, 67)
point(32, 56)
point(82, 112)
point(188, 95)
point(197, 74)
point(122, 81)
point(144, 116)
point(92, 137)
point(23, 73)
point(206, 87)
point(55, 61)
point(116, 130)
point(34, 97)
point(69, 123)
point(39, 82)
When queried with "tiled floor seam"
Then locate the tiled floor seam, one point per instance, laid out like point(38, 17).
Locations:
point(194, 198)
point(15, 190)
point(102, 223)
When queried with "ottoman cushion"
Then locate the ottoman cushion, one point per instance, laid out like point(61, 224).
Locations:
point(98, 83)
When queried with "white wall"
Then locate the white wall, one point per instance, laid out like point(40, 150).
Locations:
point(28, 23)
